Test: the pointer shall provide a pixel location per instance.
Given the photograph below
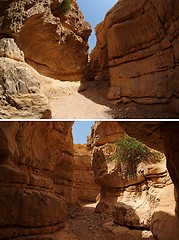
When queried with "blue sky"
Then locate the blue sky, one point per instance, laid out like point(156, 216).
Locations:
point(80, 130)
point(94, 12)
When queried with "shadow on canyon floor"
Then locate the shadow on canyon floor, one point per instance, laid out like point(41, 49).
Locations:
point(84, 223)
point(66, 102)
point(97, 90)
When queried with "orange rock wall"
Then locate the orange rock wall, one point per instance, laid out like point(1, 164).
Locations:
point(137, 51)
point(163, 136)
point(35, 178)
point(86, 190)
point(53, 42)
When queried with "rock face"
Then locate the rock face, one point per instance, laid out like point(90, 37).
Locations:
point(165, 137)
point(137, 205)
point(35, 178)
point(148, 201)
point(134, 196)
point(137, 51)
point(161, 136)
point(20, 93)
point(164, 217)
point(105, 132)
point(86, 190)
point(53, 42)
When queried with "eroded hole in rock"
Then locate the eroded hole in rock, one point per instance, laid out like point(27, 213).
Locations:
point(49, 184)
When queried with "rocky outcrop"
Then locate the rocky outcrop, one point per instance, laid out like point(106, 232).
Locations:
point(148, 200)
point(129, 189)
point(137, 51)
point(104, 132)
point(165, 137)
point(86, 190)
point(54, 42)
point(20, 93)
point(162, 136)
point(134, 196)
point(35, 178)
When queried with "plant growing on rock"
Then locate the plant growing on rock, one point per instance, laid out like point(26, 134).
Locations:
point(66, 6)
point(129, 153)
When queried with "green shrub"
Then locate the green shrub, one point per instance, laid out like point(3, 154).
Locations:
point(129, 153)
point(66, 6)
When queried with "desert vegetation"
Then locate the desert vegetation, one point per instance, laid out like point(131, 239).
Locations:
point(129, 153)
point(66, 6)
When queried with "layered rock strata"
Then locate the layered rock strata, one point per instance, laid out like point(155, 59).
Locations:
point(133, 198)
point(35, 178)
point(86, 190)
point(149, 200)
point(137, 51)
point(104, 132)
point(54, 41)
point(164, 137)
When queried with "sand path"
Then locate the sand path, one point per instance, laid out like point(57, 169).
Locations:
point(67, 103)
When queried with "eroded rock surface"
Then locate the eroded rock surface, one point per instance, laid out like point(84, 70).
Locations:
point(35, 178)
point(165, 137)
point(86, 190)
point(134, 194)
point(105, 132)
point(137, 51)
point(165, 216)
point(20, 93)
point(40, 173)
point(148, 200)
point(53, 42)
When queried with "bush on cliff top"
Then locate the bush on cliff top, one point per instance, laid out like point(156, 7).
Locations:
point(66, 6)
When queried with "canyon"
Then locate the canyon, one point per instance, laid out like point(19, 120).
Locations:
point(131, 73)
point(51, 188)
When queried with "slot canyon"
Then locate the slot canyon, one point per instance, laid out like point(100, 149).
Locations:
point(46, 70)
point(53, 189)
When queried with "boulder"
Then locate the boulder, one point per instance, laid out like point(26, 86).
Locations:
point(20, 93)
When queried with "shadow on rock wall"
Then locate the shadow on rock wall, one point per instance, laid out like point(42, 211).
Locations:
point(164, 226)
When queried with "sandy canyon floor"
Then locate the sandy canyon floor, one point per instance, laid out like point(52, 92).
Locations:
point(84, 223)
point(67, 103)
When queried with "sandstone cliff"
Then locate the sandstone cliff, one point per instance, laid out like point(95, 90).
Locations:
point(54, 42)
point(163, 137)
point(41, 171)
point(104, 132)
point(148, 200)
point(86, 190)
point(137, 51)
point(35, 178)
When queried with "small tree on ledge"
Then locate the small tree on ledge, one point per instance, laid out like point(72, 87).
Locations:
point(66, 6)
point(129, 153)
